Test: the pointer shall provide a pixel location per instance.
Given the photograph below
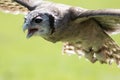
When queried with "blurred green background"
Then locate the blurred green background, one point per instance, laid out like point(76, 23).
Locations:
point(37, 59)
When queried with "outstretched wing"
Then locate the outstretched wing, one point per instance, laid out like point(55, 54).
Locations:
point(108, 19)
point(76, 48)
point(72, 48)
point(12, 7)
point(18, 6)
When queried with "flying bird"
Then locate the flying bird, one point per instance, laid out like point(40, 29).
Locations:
point(83, 32)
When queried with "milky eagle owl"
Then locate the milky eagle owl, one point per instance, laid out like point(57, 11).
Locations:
point(83, 32)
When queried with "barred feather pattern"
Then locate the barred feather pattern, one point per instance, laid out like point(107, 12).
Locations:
point(108, 53)
point(10, 6)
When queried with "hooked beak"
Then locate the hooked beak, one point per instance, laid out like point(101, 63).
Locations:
point(30, 31)
point(25, 27)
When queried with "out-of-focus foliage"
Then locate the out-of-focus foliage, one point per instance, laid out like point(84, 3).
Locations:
point(37, 59)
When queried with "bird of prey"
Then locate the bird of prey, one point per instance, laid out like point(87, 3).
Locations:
point(84, 32)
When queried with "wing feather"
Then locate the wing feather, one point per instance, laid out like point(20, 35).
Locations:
point(9, 6)
point(18, 6)
point(109, 19)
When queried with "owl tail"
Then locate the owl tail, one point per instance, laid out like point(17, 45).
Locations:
point(108, 53)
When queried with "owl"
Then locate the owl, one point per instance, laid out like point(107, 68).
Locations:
point(83, 32)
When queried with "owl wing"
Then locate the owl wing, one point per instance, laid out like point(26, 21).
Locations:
point(70, 48)
point(108, 19)
point(18, 6)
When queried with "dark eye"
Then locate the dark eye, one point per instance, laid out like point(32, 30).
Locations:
point(38, 20)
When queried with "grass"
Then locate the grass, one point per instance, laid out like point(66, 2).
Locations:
point(37, 59)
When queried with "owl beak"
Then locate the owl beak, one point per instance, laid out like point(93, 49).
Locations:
point(30, 32)
point(25, 27)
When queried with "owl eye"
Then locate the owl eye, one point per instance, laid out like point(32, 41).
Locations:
point(38, 20)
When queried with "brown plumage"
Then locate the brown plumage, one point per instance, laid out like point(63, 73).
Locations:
point(84, 32)
point(97, 46)
point(12, 7)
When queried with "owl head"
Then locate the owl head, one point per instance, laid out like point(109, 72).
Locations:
point(38, 23)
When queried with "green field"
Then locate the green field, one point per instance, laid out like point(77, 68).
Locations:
point(37, 59)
